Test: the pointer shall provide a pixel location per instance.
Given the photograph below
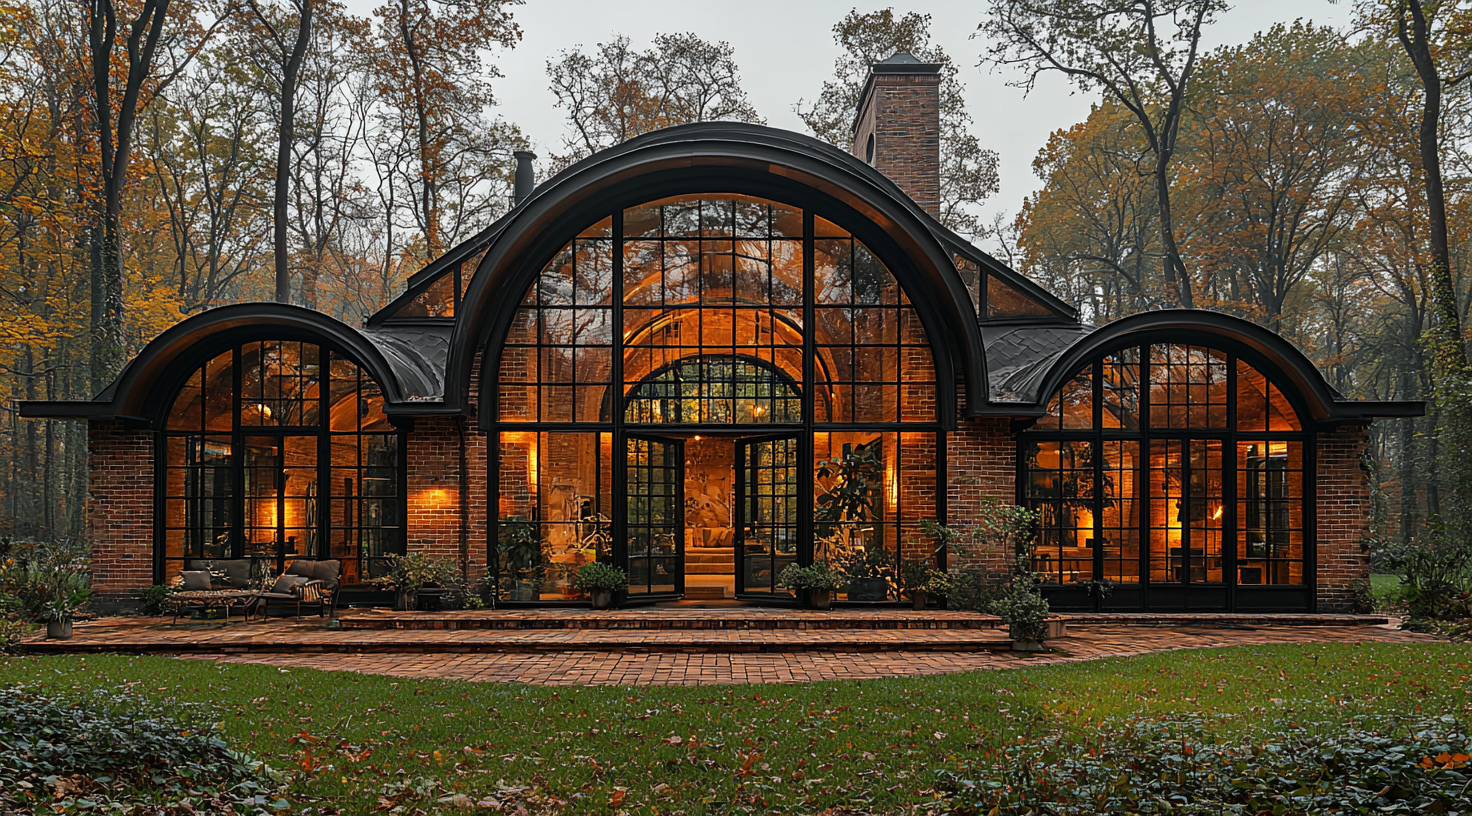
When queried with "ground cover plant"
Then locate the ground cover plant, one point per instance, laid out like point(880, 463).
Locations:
point(356, 743)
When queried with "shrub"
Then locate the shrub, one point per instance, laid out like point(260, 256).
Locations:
point(818, 576)
point(597, 575)
point(114, 751)
point(1436, 575)
point(1377, 765)
point(155, 598)
point(415, 570)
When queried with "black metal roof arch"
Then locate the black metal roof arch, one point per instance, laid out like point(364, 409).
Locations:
point(720, 157)
point(1309, 389)
point(137, 393)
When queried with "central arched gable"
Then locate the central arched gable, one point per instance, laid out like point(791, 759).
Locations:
point(710, 158)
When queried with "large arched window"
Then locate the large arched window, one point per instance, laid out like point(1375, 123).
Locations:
point(275, 450)
point(1178, 474)
point(671, 375)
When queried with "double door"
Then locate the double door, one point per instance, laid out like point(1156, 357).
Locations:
point(766, 515)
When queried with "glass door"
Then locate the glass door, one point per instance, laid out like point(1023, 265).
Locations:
point(281, 512)
point(767, 514)
point(654, 503)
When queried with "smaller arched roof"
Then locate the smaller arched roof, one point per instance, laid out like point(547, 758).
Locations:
point(1036, 361)
point(403, 366)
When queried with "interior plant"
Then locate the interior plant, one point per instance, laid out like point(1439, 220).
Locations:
point(819, 581)
point(600, 581)
point(522, 556)
point(411, 572)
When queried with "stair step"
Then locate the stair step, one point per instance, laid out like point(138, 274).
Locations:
point(705, 593)
point(665, 619)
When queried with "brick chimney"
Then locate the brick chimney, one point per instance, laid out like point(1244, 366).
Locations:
point(897, 128)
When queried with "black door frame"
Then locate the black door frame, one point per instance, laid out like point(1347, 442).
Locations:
point(621, 518)
point(803, 554)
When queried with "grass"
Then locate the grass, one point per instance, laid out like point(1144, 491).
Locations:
point(354, 741)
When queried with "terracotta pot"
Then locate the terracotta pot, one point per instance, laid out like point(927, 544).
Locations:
point(59, 630)
point(820, 599)
point(602, 598)
point(919, 598)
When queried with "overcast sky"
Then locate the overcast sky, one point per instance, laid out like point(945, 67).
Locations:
point(785, 50)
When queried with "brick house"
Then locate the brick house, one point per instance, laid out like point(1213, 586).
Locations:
point(716, 350)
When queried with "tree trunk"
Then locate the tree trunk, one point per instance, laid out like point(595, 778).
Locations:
point(1175, 271)
point(290, 76)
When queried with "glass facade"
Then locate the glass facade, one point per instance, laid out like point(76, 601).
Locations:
point(1172, 469)
point(277, 450)
point(674, 370)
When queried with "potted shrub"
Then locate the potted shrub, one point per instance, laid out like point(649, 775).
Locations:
point(868, 572)
point(915, 579)
point(600, 581)
point(409, 573)
point(818, 581)
point(47, 582)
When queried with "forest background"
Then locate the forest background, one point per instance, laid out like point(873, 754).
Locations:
point(163, 157)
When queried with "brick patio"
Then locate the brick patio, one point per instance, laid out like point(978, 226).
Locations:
point(690, 646)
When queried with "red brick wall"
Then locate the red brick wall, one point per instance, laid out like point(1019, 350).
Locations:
point(120, 507)
point(434, 491)
point(981, 464)
point(1343, 516)
point(903, 115)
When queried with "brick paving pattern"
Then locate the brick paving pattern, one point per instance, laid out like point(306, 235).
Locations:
point(583, 668)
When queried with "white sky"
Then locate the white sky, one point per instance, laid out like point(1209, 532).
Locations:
point(785, 50)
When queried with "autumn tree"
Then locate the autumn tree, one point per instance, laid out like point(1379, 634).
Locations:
point(968, 172)
point(616, 92)
point(1142, 55)
point(1272, 155)
point(435, 89)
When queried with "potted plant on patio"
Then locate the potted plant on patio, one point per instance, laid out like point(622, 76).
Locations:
point(47, 582)
point(818, 582)
point(411, 572)
point(915, 579)
point(600, 581)
point(868, 572)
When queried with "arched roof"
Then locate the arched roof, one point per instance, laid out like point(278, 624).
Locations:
point(398, 367)
point(720, 158)
point(1026, 389)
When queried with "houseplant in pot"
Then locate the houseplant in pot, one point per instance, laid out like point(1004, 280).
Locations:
point(600, 581)
point(819, 581)
point(46, 582)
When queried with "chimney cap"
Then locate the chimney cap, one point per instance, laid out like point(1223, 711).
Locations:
point(902, 62)
point(523, 154)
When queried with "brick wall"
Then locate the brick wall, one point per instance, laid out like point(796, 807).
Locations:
point(981, 464)
point(1343, 516)
point(120, 509)
point(902, 114)
point(433, 482)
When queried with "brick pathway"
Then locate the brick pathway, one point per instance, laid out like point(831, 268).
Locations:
point(577, 668)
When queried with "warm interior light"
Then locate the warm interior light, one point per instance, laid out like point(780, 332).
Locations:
point(1218, 513)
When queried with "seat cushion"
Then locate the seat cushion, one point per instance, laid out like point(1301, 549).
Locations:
point(277, 596)
point(329, 573)
point(196, 580)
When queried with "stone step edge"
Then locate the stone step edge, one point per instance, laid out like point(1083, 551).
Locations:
point(481, 647)
point(616, 624)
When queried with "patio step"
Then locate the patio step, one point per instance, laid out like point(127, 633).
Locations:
point(240, 640)
point(667, 619)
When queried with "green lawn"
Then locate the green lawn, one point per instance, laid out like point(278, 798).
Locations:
point(1386, 589)
point(736, 749)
